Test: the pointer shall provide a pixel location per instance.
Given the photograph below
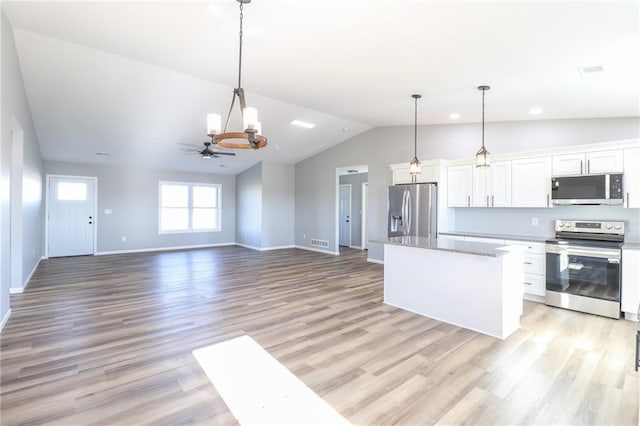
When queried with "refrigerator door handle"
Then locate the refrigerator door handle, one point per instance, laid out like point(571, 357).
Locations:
point(409, 201)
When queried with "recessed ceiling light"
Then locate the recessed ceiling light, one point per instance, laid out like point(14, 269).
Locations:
point(454, 116)
point(345, 129)
point(535, 111)
point(304, 124)
point(103, 154)
point(590, 71)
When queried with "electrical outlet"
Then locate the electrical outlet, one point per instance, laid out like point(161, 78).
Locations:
point(534, 221)
point(124, 238)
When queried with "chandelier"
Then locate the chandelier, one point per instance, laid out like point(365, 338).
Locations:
point(251, 137)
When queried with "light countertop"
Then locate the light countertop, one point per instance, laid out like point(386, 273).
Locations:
point(530, 238)
point(464, 247)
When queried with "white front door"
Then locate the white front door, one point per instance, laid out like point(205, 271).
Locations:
point(345, 216)
point(72, 216)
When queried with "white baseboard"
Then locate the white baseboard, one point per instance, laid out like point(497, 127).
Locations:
point(102, 253)
point(630, 316)
point(277, 248)
point(18, 290)
point(248, 246)
point(372, 260)
point(334, 253)
point(5, 319)
point(533, 298)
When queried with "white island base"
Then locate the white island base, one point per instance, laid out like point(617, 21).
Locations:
point(478, 292)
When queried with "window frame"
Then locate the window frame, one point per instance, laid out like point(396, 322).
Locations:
point(190, 207)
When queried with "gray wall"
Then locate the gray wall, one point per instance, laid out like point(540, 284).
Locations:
point(265, 211)
point(277, 204)
point(379, 147)
point(518, 221)
point(132, 194)
point(356, 181)
point(249, 207)
point(15, 107)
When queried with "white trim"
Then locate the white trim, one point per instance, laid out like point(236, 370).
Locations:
point(190, 207)
point(365, 214)
point(103, 253)
point(18, 290)
point(629, 316)
point(340, 186)
point(46, 211)
point(533, 298)
point(372, 260)
point(334, 253)
point(264, 248)
point(5, 319)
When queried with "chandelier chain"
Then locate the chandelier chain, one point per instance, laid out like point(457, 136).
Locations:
point(240, 53)
point(415, 129)
point(483, 118)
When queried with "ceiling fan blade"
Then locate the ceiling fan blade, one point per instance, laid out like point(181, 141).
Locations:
point(224, 153)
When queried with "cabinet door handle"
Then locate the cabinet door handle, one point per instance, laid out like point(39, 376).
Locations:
point(526, 283)
point(547, 200)
point(468, 200)
point(492, 204)
point(627, 200)
point(487, 201)
point(527, 263)
point(588, 166)
point(580, 166)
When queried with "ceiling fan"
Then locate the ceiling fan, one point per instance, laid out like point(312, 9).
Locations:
point(209, 153)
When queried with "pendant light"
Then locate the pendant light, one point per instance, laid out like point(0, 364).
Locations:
point(482, 156)
point(252, 133)
point(414, 165)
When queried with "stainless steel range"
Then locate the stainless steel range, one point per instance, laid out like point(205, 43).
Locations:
point(583, 266)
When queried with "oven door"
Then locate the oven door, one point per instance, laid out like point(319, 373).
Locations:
point(588, 272)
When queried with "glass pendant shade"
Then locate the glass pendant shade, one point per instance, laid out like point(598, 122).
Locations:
point(482, 158)
point(214, 124)
point(414, 167)
point(250, 118)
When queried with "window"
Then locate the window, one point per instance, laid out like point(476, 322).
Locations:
point(72, 191)
point(189, 207)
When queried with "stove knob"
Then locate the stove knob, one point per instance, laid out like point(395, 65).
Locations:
point(609, 226)
point(618, 227)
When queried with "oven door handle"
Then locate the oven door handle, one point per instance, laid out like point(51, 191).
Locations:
point(611, 255)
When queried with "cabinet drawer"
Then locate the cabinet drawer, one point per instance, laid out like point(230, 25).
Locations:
point(530, 247)
point(533, 263)
point(534, 284)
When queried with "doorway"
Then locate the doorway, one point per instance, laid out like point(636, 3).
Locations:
point(15, 204)
point(71, 215)
point(345, 216)
point(351, 234)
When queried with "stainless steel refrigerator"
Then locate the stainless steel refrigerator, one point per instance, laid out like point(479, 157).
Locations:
point(413, 210)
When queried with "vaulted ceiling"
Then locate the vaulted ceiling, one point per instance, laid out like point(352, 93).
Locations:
point(136, 79)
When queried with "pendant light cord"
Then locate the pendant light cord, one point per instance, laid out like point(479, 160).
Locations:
point(415, 129)
point(240, 53)
point(483, 118)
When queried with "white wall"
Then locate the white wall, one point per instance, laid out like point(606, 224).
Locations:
point(133, 196)
point(379, 147)
point(17, 115)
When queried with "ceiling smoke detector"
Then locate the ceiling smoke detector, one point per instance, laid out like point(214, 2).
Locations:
point(590, 71)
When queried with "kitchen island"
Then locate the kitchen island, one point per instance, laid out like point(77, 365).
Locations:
point(477, 286)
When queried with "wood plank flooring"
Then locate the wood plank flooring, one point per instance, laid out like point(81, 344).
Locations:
point(108, 340)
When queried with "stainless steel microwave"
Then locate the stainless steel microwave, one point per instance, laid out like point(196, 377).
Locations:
point(587, 189)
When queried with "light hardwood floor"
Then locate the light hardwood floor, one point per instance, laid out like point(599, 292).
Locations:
point(108, 340)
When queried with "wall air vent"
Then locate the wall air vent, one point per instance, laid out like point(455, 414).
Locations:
point(320, 243)
point(591, 71)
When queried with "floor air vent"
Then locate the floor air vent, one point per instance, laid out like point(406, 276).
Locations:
point(320, 243)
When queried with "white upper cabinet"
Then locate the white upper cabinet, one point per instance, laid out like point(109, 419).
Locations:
point(631, 183)
point(531, 182)
point(610, 161)
point(459, 180)
point(492, 185)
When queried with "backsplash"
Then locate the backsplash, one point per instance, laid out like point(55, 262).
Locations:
point(518, 221)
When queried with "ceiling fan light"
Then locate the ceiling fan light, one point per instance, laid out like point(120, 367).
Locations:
point(250, 118)
point(258, 128)
point(415, 167)
point(483, 158)
point(214, 124)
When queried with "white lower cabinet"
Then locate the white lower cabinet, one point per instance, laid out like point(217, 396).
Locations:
point(630, 281)
point(534, 266)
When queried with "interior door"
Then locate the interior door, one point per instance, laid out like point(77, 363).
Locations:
point(345, 216)
point(365, 196)
point(71, 218)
